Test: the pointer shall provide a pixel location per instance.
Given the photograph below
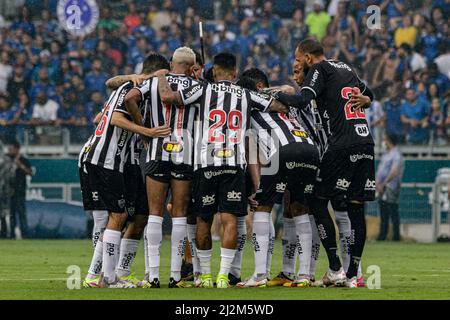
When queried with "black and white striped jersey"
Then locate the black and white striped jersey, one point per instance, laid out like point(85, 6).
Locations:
point(178, 147)
point(82, 151)
point(224, 116)
point(108, 145)
point(134, 149)
point(271, 131)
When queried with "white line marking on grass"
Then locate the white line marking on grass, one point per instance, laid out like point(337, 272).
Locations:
point(48, 279)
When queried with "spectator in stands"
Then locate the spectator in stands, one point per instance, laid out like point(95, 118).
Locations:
point(406, 33)
point(6, 71)
point(376, 117)
point(415, 115)
point(94, 106)
point(297, 28)
point(388, 181)
point(95, 79)
point(7, 176)
point(45, 110)
point(437, 122)
point(318, 20)
point(393, 111)
point(18, 209)
point(17, 83)
point(132, 19)
point(43, 84)
point(344, 23)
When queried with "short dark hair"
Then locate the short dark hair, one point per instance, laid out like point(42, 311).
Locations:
point(208, 76)
point(13, 143)
point(392, 139)
point(198, 58)
point(257, 75)
point(310, 46)
point(155, 61)
point(247, 83)
point(225, 60)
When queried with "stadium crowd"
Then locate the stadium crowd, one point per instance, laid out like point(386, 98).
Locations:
point(50, 78)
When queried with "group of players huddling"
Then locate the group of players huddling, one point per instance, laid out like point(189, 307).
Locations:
point(219, 145)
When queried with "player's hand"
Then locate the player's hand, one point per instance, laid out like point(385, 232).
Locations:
point(252, 202)
point(359, 100)
point(380, 188)
point(159, 132)
point(137, 79)
point(160, 72)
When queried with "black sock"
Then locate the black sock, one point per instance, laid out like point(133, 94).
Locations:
point(358, 227)
point(327, 232)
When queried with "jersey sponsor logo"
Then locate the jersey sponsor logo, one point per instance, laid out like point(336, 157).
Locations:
point(309, 188)
point(356, 157)
point(210, 174)
point(362, 130)
point(192, 91)
point(234, 196)
point(322, 232)
point(121, 97)
point(291, 165)
point(299, 133)
point(209, 200)
point(340, 65)
point(314, 78)
point(185, 82)
point(223, 153)
point(370, 185)
point(222, 87)
point(342, 184)
point(280, 187)
point(172, 147)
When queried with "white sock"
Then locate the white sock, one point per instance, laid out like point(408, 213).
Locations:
point(96, 263)
point(191, 235)
point(236, 265)
point(100, 221)
point(147, 269)
point(154, 238)
point(304, 244)
point(315, 248)
point(360, 274)
point(289, 241)
point(204, 257)
point(271, 245)
point(128, 249)
point(111, 244)
point(178, 241)
point(261, 230)
point(226, 258)
point(344, 227)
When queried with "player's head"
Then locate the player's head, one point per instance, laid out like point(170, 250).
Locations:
point(258, 76)
point(299, 74)
point(209, 75)
point(153, 62)
point(197, 70)
point(309, 52)
point(390, 141)
point(224, 66)
point(247, 83)
point(183, 60)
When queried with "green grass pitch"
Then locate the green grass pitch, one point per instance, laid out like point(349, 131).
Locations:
point(36, 269)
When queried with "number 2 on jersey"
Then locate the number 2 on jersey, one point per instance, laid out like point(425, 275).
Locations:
point(350, 111)
point(233, 122)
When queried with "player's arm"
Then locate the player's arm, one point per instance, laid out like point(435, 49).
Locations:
point(299, 100)
point(168, 96)
point(119, 120)
point(132, 101)
point(117, 81)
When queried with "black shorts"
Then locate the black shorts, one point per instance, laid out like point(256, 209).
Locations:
point(347, 174)
point(135, 192)
point(102, 189)
point(163, 171)
point(298, 163)
point(219, 189)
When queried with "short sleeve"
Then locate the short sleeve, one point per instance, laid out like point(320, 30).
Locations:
point(191, 94)
point(144, 89)
point(120, 104)
point(259, 101)
point(315, 80)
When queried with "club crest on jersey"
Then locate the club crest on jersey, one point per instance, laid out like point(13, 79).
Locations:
point(223, 153)
point(362, 130)
point(299, 133)
point(172, 147)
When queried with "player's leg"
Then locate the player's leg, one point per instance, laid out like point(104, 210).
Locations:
point(191, 235)
point(236, 265)
point(157, 183)
point(332, 183)
point(343, 224)
point(362, 189)
point(204, 249)
point(228, 248)
point(100, 220)
point(315, 249)
point(180, 200)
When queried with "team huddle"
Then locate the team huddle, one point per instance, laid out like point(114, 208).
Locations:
point(201, 143)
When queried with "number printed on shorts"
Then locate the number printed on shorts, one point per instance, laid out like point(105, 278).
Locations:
point(233, 122)
point(350, 111)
